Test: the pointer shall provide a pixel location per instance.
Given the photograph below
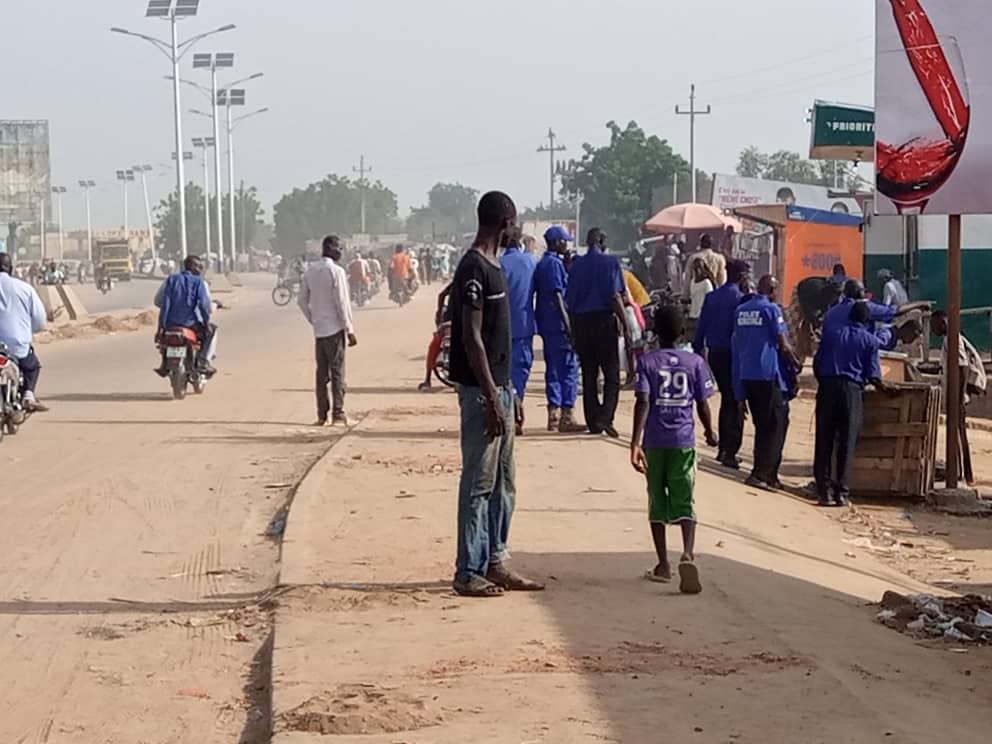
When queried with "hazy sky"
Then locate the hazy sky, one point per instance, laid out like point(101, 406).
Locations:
point(430, 90)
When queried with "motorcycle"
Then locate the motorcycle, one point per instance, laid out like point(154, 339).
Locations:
point(360, 292)
point(105, 284)
point(12, 413)
point(181, 347)
point(442, 367)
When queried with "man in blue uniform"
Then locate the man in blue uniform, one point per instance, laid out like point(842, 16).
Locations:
point(759, 337)
point(714, 332)
point(594, 298)
point(519, 266)
point(846, 360)
point(561, 375)
point(854, 291)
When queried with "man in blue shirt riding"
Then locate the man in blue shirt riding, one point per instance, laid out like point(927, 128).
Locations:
point(519, 266)
point(714, 332)
point(594, 298)
point(184, 302)
point(22, 314)
point(561, 375)
point(759, 338)
point(846, 361)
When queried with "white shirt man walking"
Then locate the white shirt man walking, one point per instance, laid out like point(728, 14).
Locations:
point(326, 304)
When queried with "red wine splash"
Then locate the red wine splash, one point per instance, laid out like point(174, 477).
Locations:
point(911, 173)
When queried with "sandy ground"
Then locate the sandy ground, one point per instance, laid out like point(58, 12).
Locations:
point(135, 548)
point(371, 645)
point(139, 592)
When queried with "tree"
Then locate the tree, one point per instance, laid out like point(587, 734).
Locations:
point(333, 205)
point(448, 214)
point(752, 163)
point(617, 181)
point(247, 209)
point(785, 165)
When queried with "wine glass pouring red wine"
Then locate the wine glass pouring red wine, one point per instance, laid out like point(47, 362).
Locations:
point(934, 133)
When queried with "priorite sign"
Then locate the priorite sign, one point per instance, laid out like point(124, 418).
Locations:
point(933, 98)
point(732, 192)
point(842, 132)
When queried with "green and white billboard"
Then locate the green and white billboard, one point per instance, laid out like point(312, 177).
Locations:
point(842, 132)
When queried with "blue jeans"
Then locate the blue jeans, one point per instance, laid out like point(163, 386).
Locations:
point(521, 363)
point(486, 493)
point(561, 375)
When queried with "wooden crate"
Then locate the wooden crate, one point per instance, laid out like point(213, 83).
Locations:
point(898, 446)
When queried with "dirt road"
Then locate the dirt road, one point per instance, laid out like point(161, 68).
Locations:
point(372, 647)
point(135, 597)
point(134, 545)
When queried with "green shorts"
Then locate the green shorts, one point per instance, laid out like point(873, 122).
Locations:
point(671, 481)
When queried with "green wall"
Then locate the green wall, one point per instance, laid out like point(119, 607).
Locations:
point(976, 279)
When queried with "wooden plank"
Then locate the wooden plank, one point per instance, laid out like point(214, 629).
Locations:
point(897, 430)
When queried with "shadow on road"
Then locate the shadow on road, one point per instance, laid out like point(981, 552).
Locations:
point(109, 397)
point(744, 659)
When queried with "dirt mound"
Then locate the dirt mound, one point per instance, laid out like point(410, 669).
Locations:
point(109, 324)
point(359, 710)
point(147, 318)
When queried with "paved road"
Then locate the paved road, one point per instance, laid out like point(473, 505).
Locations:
point(136, 294)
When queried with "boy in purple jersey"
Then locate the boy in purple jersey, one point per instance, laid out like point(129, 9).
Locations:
point(670, 382)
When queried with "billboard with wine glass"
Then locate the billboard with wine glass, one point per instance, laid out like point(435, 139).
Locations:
point(933, 107)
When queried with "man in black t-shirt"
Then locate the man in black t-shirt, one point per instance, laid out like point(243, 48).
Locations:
point(480, 366)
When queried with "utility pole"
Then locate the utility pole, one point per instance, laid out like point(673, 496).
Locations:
point(692, 113)
point(552, 150)
point(361, 170)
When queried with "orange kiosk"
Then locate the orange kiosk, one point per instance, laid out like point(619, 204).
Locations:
point(808, 242)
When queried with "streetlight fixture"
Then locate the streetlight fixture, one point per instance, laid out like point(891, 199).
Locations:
point(126, 177)
point(86, 186)
point(174, 11)
point(214, 62)
point(59, 191)
point(143, 171)
point(205, 143)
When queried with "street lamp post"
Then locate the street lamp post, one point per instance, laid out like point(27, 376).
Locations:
point(214, 62)
point(174, 11)
point(126, 177)
point(59, 191)
point(143, 171)
point(86, 186)
point(235, 97)
point(205, 143)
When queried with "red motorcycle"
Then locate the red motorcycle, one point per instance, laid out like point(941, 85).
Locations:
point(181, 347)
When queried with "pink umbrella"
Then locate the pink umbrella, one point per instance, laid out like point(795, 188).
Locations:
point(688, 217)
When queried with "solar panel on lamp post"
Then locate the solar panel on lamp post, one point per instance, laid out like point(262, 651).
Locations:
point(59, 191)
point(174, 11)
point(214, 62)
point(205, 143)
point(86, 186)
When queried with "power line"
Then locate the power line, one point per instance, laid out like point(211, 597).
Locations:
point(692, 113)
point(767, 92)
point(361, 170)
point(552, 149)
point(777, 67)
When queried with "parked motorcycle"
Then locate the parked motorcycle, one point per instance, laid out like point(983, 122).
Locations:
point(12, 413)
point(181, 347)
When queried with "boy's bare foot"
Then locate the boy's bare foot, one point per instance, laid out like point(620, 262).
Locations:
point(661, 574)
point(689, 578)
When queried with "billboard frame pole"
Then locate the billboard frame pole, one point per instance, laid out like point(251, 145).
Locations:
point(953, 371)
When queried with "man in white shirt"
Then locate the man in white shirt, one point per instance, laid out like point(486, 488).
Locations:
point(22, 315)
point(326, 304)
point(893, 293)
